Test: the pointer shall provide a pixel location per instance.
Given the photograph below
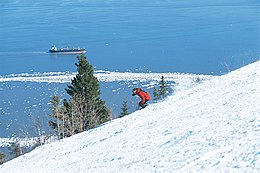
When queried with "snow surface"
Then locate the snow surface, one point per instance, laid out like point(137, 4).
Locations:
point(213, 127)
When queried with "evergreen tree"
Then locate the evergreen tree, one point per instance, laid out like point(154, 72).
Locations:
point(84, 90)
point(85, 109)
point(2, 158)
point(163, 88)
point(155, 93)
point(125, 109)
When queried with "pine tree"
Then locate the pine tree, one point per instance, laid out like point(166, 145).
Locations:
point(2, 158)
point(85, 109)
point(84, 90)
point(163, 88)
point(125, 109)
point(155, 93)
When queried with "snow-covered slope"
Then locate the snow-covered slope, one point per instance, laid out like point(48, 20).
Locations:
point(214, 127)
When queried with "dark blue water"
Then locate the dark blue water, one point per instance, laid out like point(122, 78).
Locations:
point(203, 37)
point(163, 36)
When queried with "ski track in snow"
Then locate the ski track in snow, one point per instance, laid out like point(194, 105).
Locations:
point(212, 127)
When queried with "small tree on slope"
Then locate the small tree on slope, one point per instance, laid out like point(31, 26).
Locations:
point(162, 92)
point(163, 88)
point(124, 109)
point(85, 109)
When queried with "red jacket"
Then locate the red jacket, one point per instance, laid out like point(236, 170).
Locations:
point(143, 95)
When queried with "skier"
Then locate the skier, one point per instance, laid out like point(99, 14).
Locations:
point(143, 95)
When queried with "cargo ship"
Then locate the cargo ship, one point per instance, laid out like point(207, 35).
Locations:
point(78, 50)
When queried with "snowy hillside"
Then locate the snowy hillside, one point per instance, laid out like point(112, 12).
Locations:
point(214, 127)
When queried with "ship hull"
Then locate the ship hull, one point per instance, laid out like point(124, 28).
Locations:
point(81, 51)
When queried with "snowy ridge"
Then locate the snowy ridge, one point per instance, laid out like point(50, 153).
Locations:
point(103, 76)
point(213, 127)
